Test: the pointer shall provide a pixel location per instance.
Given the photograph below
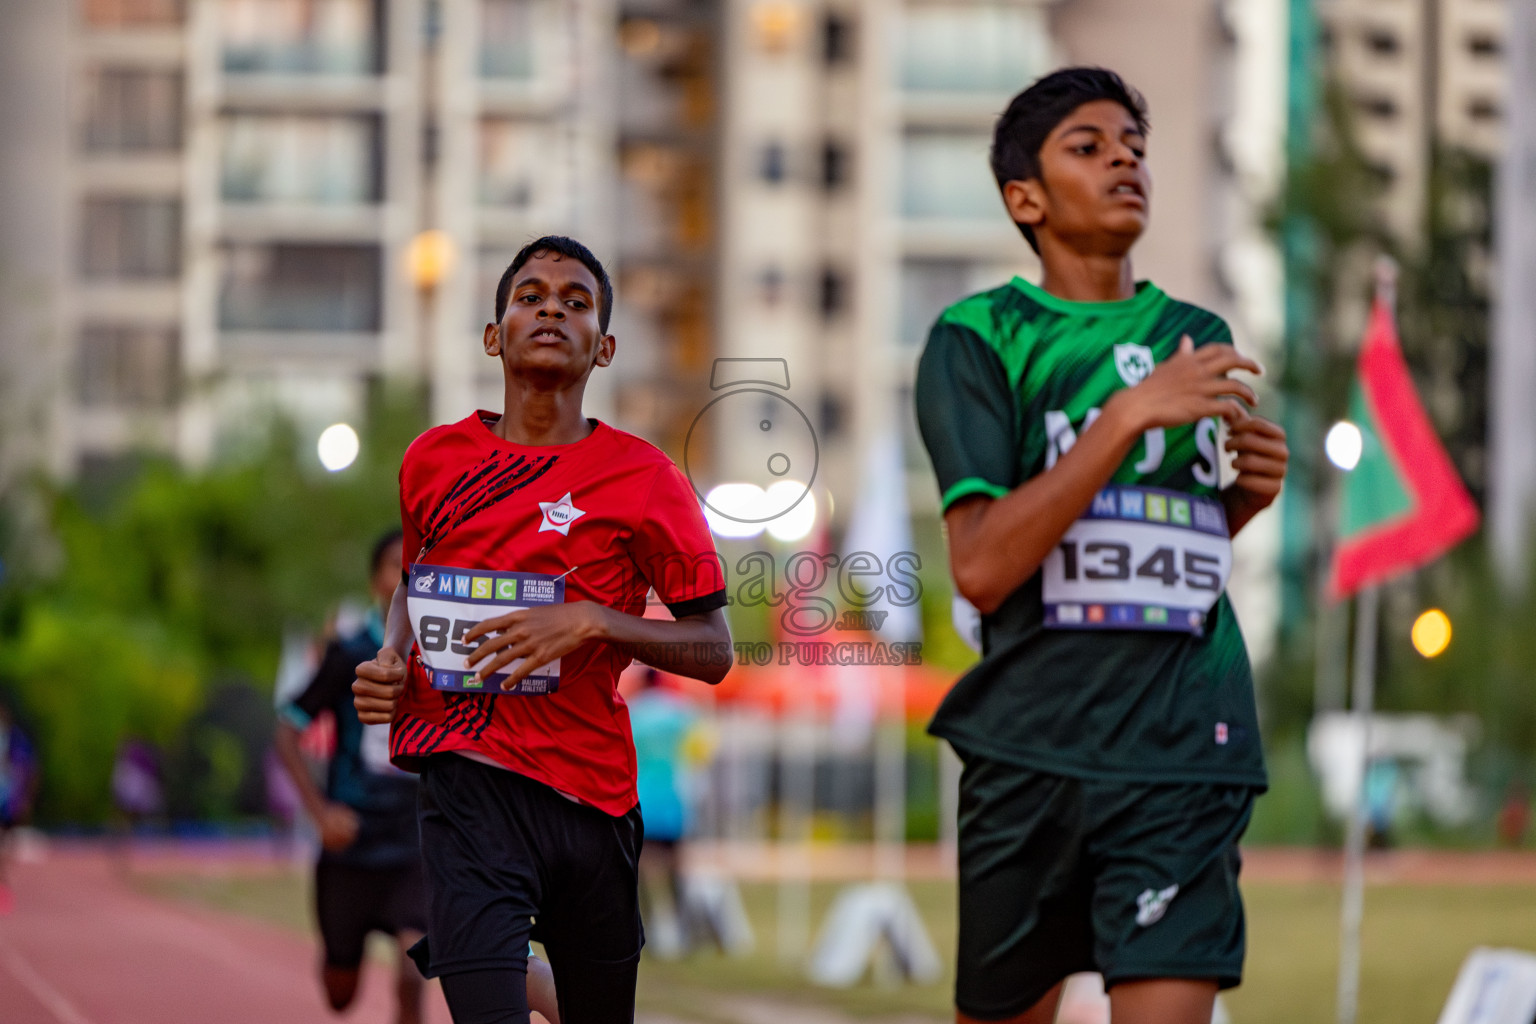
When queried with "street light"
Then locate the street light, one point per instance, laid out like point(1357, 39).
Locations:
point(338, 447)
point(1431, 633)
point(429, 258)
point(1344, 445)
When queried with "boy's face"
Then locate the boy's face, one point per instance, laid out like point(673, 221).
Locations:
point(549, 335)
point(1094, 191)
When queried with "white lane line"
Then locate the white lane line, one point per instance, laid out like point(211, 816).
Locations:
point(51, 998)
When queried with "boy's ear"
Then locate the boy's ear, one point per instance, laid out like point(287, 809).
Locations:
point(493, 339)
point(1025, 200)
point(605, 347)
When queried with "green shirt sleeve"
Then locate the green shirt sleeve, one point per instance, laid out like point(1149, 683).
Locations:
point(966, 413)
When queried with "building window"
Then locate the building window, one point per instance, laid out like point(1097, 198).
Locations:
point(772, 163)
point(1383, 107)
point(1381, 41)
point(334, 37)
point(836, 39)
point(127, 366)
point(946, 174)
point(301, 159)
point(522, 39)
point(131, 239)
point(985, 48)
point(527, 166)
point(770, 286)
point(1483, 45)
point(124, 13)
point(834, 165)
point(832, 293)
point(928, 287)
point(1483, 109)
point(299, 288)
point(132, 111)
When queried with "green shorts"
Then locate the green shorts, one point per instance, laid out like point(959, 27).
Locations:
point(1060, 875)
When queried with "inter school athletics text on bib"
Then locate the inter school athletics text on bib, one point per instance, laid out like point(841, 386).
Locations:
point(1140, 558)
point(444, 603)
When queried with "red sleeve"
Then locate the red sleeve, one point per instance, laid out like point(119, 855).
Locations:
point(673, 549)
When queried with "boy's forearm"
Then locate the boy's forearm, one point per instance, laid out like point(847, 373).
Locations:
point(397, 625)
point(697, 646)
point(286, 743)
point(996, 545)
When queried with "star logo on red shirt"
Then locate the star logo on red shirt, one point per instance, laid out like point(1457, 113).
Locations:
point(559, 515)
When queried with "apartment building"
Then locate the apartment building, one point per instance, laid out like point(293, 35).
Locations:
point(242, 182)
point(1417, 72)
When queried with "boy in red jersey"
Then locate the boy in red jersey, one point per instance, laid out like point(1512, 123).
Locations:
point(530, 826)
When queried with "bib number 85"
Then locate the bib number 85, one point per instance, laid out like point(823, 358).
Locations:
point(437, 635)
point(1111, 560)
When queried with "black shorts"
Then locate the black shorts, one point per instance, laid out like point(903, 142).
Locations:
point(509, 859)
point(351, 901)
point(1060, 875)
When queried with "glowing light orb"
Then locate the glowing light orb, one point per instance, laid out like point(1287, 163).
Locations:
point(1431, 633)
point(797, 523)
point(1344, 444)
point(338, 447)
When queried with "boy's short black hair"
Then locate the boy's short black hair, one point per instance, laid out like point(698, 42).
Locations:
point(381, 547)
point(571, 249)
point(1035, 113)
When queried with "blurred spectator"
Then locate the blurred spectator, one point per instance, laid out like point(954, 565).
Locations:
point(18, 785)
point(1381, 800)
point(136, 787)
point(665, 725)
point(1514, 815)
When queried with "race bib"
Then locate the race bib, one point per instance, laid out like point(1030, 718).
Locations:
point(444, 603)
point(1139, 558)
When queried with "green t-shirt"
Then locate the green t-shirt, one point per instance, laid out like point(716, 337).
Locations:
point(1007, 381)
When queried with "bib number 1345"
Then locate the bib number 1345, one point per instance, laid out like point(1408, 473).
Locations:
point(1140, 558)
point(1112, 560)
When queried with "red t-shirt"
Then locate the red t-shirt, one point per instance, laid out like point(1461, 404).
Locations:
point(611, 505)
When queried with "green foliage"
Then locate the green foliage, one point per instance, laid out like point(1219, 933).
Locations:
point(177, 578)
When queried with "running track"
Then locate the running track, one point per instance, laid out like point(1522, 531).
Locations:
point(82, 947)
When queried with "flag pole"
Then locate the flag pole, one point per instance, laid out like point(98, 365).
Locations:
point(1363, 698)
point(1367, 610)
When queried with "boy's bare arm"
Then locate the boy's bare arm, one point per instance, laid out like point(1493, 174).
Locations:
point(698, 646)
point(997, 544)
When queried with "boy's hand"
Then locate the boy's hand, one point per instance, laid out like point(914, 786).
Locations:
point(1262, 457)
point(537, 635)
point(377, 688)
point(338, 827)
point(1188, 386)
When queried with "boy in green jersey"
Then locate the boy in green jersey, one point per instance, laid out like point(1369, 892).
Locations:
point(1109, 733)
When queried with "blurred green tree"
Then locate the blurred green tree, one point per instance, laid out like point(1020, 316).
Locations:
point(177, 578)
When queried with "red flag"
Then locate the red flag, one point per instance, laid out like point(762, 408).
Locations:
point(1404, 504)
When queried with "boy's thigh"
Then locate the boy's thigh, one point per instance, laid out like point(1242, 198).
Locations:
point(1025, 888)
point(1165, 900)
point(482, 880)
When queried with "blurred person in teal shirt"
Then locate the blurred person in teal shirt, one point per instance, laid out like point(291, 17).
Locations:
point(668, 739)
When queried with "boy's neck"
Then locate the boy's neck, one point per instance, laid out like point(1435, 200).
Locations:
point(1086, 277)
point(534, 417)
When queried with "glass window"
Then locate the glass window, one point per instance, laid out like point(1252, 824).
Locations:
point(131, 238)
point(522, 39)
point(299, 288)
point(116, 13)
point(946, 174)
point(301, 159)
point(526, 166)
point(127, 366)
point(338, 37)
point(131, 110)
point(996, 49)
point(928, 287)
